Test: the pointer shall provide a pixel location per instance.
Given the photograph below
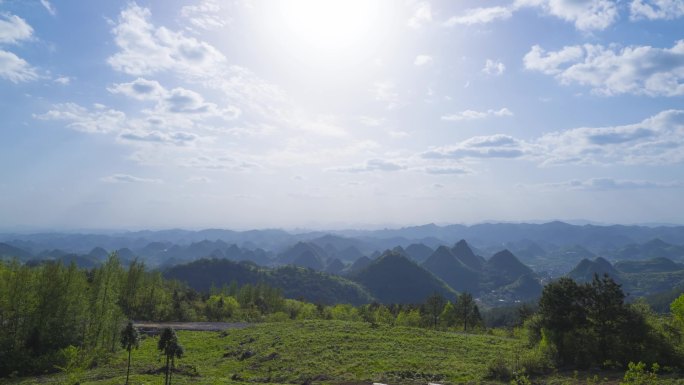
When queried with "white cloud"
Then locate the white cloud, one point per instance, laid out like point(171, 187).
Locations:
point(656, 140)
point(100, 119)
point(146, 49)
point(140, 89)
point(177, 138)
point(587, 15)
point(16, 69)
point(199, 179)
point(398, 134)
point(125, 178)
point(372, 165)
point(611, 184)
point(480, 16)
point(494, 146)
point(656, 9)
point(449, 170)
point(641, 70)
point(204, 15)
point(371, 121)
point(422, 60)
point(385, 92)
point(176, 101)
point(13, 29)
point(422, 15)
point(475, 115)
point(63, 80)
point(494, 67)
point(49, 7)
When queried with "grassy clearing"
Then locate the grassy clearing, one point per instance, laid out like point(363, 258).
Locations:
point(322, 352)
point(318, 352)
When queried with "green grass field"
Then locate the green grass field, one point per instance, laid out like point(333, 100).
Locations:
point(315, 352)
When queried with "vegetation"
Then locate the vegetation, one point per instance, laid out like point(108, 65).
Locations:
point(63, 318)
point(589, 324)
point(129, 339)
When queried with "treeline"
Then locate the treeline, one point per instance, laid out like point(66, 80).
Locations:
point(48, 310)
point(591, 326)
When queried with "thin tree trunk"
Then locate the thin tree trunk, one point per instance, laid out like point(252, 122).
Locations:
point(166, 378)
point(128, 371)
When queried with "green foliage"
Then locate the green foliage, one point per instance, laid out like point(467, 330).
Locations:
point(590, 324)
point(467, 312)
point(220, 307)
point(638, 374)
point(677, 309)
point(74, 365)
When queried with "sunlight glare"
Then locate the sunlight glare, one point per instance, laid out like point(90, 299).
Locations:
point(329, 29)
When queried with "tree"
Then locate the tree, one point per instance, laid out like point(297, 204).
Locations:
point(434, 306)
point(605, 313)
point(169, 346)
point(562, 310)
point(449, 316)
point(173, 350)
point(677, 309)
point(467, 310)
point(129, 340)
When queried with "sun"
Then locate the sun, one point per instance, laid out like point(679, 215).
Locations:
point(329, 30)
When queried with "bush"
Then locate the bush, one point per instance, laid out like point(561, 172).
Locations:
point(279, 316)
point(498, 369)
point(637, 374)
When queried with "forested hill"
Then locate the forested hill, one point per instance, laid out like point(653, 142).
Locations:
point(295, 282)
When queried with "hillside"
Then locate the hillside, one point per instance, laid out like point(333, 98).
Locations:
point(393, 278)
point(638, 278)
point(296, 282)
point(503, 268)
point(445, 265)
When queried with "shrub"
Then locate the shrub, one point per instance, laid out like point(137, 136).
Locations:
point(498, 369)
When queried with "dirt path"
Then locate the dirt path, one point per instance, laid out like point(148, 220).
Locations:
point(196, 326)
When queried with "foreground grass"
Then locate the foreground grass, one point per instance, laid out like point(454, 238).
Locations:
point(320, 352)
point(323, 352)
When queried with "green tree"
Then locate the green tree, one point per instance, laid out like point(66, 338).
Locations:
point(169, 346)
point(467, 311)
point(434, 305)
point(562, 310)
point(449, 316)
point(677, 309)
point(129, 339)
point(605, 314)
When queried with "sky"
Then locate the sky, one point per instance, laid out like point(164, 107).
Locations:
point(339, 113)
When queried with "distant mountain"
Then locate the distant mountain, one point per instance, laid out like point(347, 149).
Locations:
point(98, 254)
point(296, 282)
point(289, 256)
point(350, 253)
point(586, 269)
point(654, 248)
point(419, 252)
point(654, 265)
point(525, 288)
point(10, 252)
point(465, 254)
point(309, 260)
point(349, 249)
point(360, 264)
point(445, 265)
point(393, 278)
point(334, 266)
point(503, 268)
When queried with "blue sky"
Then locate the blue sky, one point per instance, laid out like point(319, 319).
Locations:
point(332, 114)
